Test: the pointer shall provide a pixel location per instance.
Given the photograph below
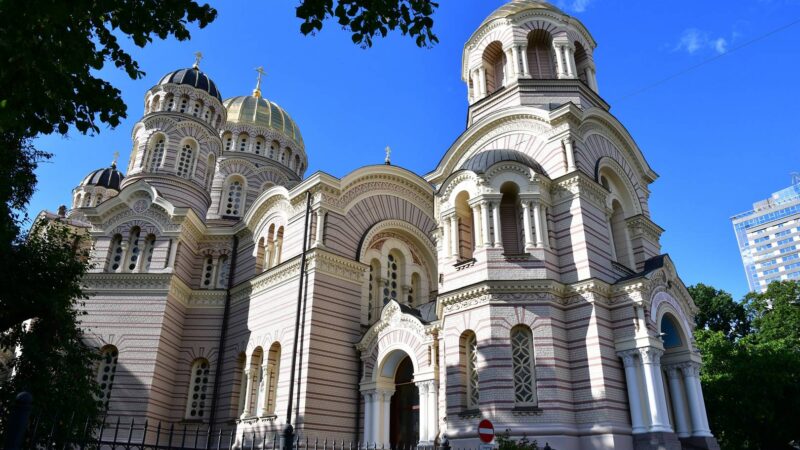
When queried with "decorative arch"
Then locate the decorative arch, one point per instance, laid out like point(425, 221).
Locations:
point(607, 165)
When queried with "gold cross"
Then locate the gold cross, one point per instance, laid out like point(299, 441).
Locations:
point(197, 57)
point(257, 90)
point(114, 162)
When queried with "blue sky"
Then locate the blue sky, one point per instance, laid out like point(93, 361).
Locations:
point(720, 136)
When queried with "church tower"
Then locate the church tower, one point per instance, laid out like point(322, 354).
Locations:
point(176, 143)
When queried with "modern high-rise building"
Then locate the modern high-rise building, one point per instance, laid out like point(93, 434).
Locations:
point(769, 237)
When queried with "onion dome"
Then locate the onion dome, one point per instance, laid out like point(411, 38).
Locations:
point(258, 111)
point(481, 162)
point(517, 6)
point(193, 77)
point(109, 178)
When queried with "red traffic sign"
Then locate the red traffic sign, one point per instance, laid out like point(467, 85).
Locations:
point(486, 431)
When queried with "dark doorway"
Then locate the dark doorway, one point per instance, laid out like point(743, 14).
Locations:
point(404, 420)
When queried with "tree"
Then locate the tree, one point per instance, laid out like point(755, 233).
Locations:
point(718, 312)
point(751, 381)
point(366, 19)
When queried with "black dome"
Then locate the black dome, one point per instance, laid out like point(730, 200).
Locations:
point(193, 77)
point(482, 161)
point(109, 178)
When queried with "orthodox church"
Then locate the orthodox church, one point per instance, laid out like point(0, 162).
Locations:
point(521, 280)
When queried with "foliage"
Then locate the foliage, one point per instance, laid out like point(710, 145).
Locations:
point(55, 364)
point(719, 312)
point(366, 19)
point(504, 442)
point(751, 381)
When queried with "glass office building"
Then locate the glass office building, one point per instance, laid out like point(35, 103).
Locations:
point(769, 238)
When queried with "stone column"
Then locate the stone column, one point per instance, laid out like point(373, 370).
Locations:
point(482, 82)
point(508, 72)
point(537, 217)
point(476, 226)
point(691, 379)
point(523, 49)
point(558, 48)
point(422, 386)
point(369, 417)
point(591, 76)
point(433, 416)
point(569, 56)
point(498, 242)
point(651, 359)
point(526, 224)
point(678, 401)
point(485, 224)
point(454, 236)
point(515, 59)
point(248, 393)
point(630, 361)
point(387, 411)
point(319, 239)
point(570, 153)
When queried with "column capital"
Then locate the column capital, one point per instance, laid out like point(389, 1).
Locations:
point(673, 371)
point(628, 356)
point(651, 355)
point(689, 369)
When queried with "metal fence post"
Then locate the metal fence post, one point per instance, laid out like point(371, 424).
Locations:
point(18, 421)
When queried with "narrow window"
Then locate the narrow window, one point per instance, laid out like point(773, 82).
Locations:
point(392, 278)
point(524, 370)
point(373, 306)
point(228, 141)
point(134, 250)
point(223, 272)
point(170, 103)
point(115, 257)
point(233, 198)
point(184, 104)
point(185, 160)
point(470, 357)
point(273, 369)
point(196, 406)
point(243, 143)
point(259, 145)
point(105, 374)
point(149, 246)
point(156, 154)
point(278, 245)
point(208, 272)
point(210, 167)
point(196, 109)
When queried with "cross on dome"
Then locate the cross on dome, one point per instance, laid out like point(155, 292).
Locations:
point(257, 90)
point(197, 57)
point(388, 161)
point(114, 161)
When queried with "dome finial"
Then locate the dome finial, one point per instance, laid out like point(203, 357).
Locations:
point(197, 57)
point(388, 161)
point(257, 90)
point(114, 161)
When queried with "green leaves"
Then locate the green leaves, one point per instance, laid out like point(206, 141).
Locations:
point(368, 19)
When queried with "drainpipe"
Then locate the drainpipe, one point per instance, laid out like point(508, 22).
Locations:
point(288, 431)
point(223, 333)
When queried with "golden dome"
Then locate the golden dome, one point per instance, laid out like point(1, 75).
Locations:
point(258, 111)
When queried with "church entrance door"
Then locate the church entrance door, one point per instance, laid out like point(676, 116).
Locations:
point(404, 419)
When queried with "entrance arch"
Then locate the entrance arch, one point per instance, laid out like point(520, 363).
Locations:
point(398, 384)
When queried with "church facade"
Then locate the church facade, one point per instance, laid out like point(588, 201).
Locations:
point(522, 280)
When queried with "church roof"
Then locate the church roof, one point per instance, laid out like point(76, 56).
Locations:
point(256, 110)
point(193, 77)
point(482, 161)
point(109, 178)
point(517, 6)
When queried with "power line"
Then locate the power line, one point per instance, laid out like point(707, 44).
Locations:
point(709, 60)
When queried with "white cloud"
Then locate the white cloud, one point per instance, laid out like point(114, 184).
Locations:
point(574, 5)
point(693, 40)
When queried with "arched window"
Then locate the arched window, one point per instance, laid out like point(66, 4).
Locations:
point(228, 139)
point(224, 272)
point(414, 298)
point(199, 395)
point(156, 152)
point(270, 377)
point(619, 235)
point(154, 104)
point(184, 104)
point(373, 305)
point(259, 145)
point(297, 163)
point(98, 198)
point(260, 254)
point(242, 145)
point(394, 276)
point(278, 245)
point(134, 250)
point(208, 272)
point(211, 164)
point(186, 159)
point(270, 257)
point(469, 363)
point(208, 114)
point(197, 107)
point(524, 366)
point(581, 62)
point(241, 360)
point(115, 254)
point(540, 55)
point(149, 246)
point(106, 371)
point(510, 218)
point(466, 231)
point(233, 200)
point(170, 102)
point(274, 149)
point(494, 63)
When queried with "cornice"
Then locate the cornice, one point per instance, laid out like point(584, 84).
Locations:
point(578, 185)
